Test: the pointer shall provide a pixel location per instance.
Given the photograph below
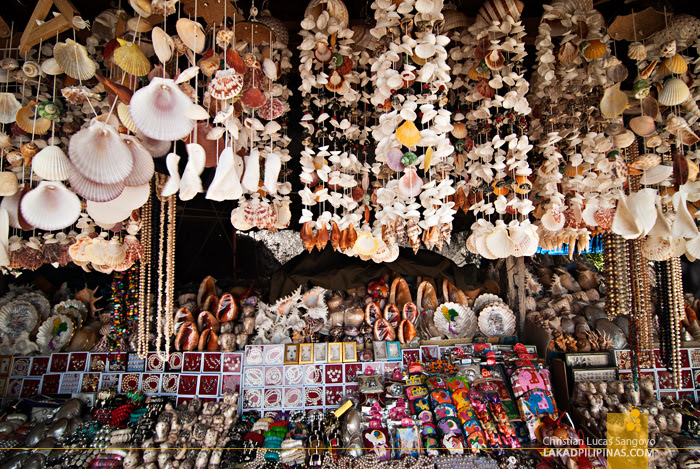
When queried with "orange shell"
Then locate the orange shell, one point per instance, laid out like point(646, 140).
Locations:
point(408, 134)
point(26, 121)
point(253, 98)
point(595, 49)
point(235, 61)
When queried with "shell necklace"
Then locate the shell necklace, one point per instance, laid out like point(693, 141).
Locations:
point(166, 284)
point(144, 305)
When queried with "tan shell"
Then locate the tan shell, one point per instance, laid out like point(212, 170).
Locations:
point(335, 8)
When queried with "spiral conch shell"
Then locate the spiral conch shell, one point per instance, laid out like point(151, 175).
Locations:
point(614, 101)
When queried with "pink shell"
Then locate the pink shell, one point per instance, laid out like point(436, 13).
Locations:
point(410, 183)
point(226, 84)
point(393, 159)
point(272, 109)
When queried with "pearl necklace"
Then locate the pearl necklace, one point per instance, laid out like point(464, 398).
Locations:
point(166, 259)
point(144, 281)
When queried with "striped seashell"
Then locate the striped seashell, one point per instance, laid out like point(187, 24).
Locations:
point(497, 10)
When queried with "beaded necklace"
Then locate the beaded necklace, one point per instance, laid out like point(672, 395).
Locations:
point(144, 305)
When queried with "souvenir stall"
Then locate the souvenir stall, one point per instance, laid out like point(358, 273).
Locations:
point(477, 224)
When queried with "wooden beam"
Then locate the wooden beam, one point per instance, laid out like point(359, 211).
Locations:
point(4, 29)
point(35, 33)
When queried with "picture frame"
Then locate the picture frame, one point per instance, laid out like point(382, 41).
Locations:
point(349, 352)
point(393, 351)
point(291, 354)
point(380, 350)
point(5, 362)
point(584, 375)
point(588, 359)
point(335, 352)
point(320, 352)
point(306, 353)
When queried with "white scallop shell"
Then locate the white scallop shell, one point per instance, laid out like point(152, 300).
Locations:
point(461, 326)
point(100, 155)
point(657, 248)
point(158, 110)
point(51, 164)
point(50, 206)
point(674, 92)
point(142, 171)
point(483, 299)
point(91, 190)
point(497, 321)
point(120, 208)
point(45, 335)
point(8, 108)
point(656, 174)
point(499, 243)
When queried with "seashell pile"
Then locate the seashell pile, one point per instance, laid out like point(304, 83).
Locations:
point(569, 306)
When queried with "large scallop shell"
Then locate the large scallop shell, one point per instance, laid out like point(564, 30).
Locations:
point(91, 190)
point(455, 321)
point(499, 243)
point(497, 321)
point(497, 10)
point(142, 171)
point(158, 110)
point(8, 108)
point(130, 58)
point(674, 92)
point(100, 155)
point(120, 208)
point(226, 84)
point(614, 101)
point(50, 206)
point(51, 164)
point(163, 44)
point(192, 34)
point(74, 60)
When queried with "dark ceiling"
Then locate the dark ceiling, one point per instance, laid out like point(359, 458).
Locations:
point(291, 12)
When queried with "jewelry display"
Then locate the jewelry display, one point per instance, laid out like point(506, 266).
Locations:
point(165, 299)
point(170, 383)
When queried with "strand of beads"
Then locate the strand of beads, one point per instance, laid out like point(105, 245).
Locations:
point(161, 262)
point(144, 281)
point(116, 308)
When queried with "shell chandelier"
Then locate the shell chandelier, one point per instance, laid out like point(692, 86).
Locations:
point(406, 120)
